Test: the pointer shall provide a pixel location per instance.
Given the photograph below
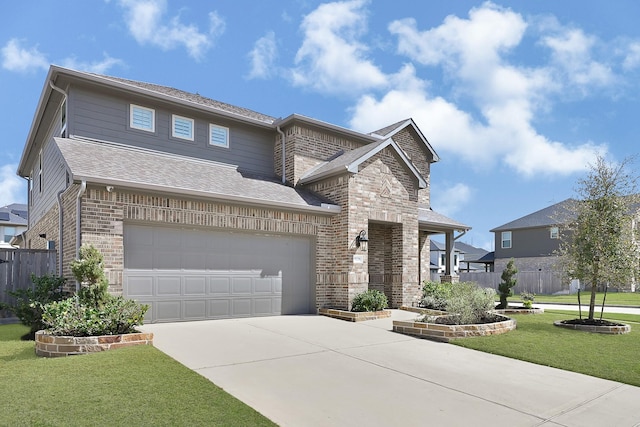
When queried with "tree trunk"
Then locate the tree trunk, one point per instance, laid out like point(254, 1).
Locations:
point(594, 288)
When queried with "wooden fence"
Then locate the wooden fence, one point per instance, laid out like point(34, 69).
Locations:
point(537, 282)
point(16, 267)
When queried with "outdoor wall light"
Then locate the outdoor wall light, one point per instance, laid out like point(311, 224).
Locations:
point(362, 239)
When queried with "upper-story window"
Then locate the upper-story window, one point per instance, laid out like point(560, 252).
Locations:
point(554, 233)
point(218, 136)
point(182, 127)
point(8, 234)
point(506, 240)
point(142, 118)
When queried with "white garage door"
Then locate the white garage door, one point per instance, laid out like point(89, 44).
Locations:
point(187, 274)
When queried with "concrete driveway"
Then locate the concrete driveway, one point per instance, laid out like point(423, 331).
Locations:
point(318, 371)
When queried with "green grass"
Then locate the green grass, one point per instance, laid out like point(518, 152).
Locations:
point(613, 298)
point(537, 340)
point(129, 386)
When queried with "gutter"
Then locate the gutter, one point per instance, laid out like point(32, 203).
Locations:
point(282, 139)
point(83, 188)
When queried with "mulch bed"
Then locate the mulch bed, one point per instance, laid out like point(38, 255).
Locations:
point(591, 322)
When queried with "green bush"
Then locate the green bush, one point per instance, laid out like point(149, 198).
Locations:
point(527, 299)
point(89, 272)
point(435, 295)
point(469, 304)
point(508, 281)
point(75, 318)
point(29, 302)
point(371, 300)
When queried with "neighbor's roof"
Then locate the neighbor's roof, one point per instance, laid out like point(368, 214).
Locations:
point(351, 160)
point(551, 215)
point(434, 245)
point(103, 162)
point(430, 220)
point(14, 214)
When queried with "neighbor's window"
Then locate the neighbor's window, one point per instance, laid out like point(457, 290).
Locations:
point(218, 136)
point(9, 232)
point(182, 127)
point(443, 259)
point(142, 118)
point(554, 233)
point(506, 240)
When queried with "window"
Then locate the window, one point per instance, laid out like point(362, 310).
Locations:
point(506, 240)
point(9, 232)
point(218, 136)
point(554, 233)
point(142, 118)
point(181, 127)
point(443, 259)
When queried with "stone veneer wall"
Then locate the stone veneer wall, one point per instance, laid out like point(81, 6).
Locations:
point(546, 263)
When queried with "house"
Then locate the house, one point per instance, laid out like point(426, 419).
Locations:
point(438, 257)
point(206, 210)
point(13, 221)
point(532, 240)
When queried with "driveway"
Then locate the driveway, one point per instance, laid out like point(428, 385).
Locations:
point(318, 371)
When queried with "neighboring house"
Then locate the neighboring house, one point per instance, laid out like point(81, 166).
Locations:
point(439, 257)
point(206, 210)
point(13, 221)
point(474, 259)
point(532, 240)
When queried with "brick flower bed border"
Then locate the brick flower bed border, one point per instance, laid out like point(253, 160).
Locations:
point(59, 346)
point(445, 333)
point(352, 316)
point(610, 330)
point(520, 311)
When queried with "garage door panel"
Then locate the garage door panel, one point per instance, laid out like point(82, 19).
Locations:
point(198, 274)
point(169, 286)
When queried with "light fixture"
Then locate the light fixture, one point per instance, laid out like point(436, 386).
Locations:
point(362, 239)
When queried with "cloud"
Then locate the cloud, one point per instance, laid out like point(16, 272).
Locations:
point(450, 199)
point(331, 59)
point(12, 187)
point(99, 67)
point(17, 58)
point(145, 22)
point(632, 57)
point(263, 56)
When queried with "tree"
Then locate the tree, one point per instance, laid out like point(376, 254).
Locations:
point(508, 281)
point(598, 244)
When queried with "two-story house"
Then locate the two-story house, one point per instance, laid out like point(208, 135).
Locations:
point(13, 221)
point(207, 210)
point(532, 240)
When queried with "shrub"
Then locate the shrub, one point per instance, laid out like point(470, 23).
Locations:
point(371, 300)
point(469, 304)
point(435, 295)
point(508, 282)
point(75, 318)
point(89, 271)
point(29, 302)
point(527, 299)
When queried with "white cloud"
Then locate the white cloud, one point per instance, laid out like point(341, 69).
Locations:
point(145, 22)
point(12, 187)
point(450, 199)
point(632, 57)
point(262, 57)
point(331, 59)
point(15, 57)
point(99, 67)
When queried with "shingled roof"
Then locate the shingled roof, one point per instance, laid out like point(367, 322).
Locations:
point(126, 166)
point(549, 216)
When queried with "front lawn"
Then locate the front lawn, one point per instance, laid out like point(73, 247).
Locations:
point(537, 340)
point(129, 386)
point(613, 298)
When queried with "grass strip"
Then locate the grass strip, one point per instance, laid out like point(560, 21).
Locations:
point(130, 386)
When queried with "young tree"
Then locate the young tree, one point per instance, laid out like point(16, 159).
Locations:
point(508, 281)
point(598, 241)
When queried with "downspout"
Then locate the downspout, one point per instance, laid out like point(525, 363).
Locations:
point(83, 188)
point(460, 235)
point(282, 139)
point(57, 89)
point(60, 232)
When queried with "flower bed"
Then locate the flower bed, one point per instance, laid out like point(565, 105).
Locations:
point(520, 310)
point(604, 327)
point(445, 333)
point(59, 346)
point(354, 316)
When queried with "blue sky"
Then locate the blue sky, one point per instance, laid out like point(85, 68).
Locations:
point(517, 97)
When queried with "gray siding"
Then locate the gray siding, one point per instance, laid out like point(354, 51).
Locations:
point(103, 116)
point(527, 242)
point(54, 177)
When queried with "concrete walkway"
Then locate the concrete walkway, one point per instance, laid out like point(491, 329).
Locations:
point(318, 371)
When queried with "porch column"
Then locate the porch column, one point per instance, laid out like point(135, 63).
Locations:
point(449, 264)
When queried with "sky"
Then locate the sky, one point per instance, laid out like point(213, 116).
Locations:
point(516, 97)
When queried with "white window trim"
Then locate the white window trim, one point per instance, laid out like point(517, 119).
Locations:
point(554, 233)
point(503, 240)
point(153, 118)
point(211, 143)
point(173, 127)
